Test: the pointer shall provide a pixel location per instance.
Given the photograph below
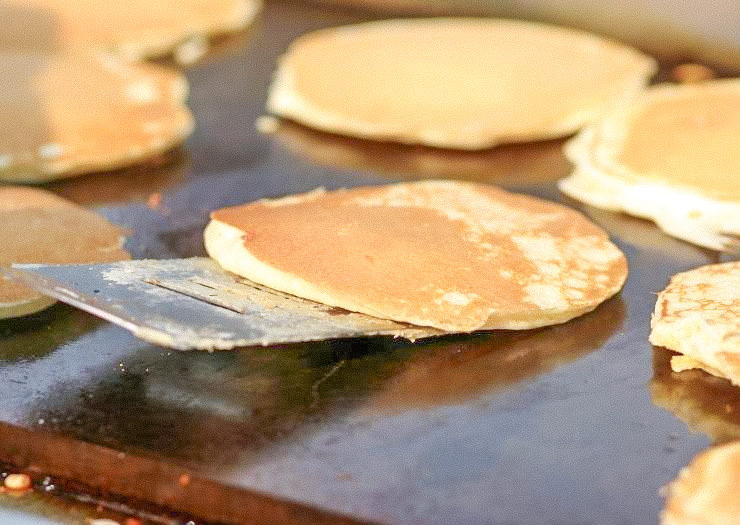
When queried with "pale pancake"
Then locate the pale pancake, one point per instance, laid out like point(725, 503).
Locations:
point(134, 29)
point(698, 316)
point(672, 156)
point(451, 255)
point(39, 227)
point(66, 115)
point(706, 492)
point(453, 82)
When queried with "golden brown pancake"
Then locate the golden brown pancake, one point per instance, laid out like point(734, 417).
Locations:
point(698, 316)
point(453, 82)
point(671, 156)
point(706, 492)
point(62, 116)
point(134, 29)
point(40, 227)
point(451, 255)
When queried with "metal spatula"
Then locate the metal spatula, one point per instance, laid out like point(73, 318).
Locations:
point(194, 304)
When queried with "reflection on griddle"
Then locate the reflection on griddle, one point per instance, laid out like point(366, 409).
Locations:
point(135, 184)
point(195, 406)
point(449, 373)
point(34, 336)
point(517, 163)
point(211, 409)
point(707, 404)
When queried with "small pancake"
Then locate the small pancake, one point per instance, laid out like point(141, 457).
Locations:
point(62, 116)
point(39, 227)
point(451, 255)
point(460, 83)
point(706, 492)
point(698, 316)
point(671, 156)
point(134, 29)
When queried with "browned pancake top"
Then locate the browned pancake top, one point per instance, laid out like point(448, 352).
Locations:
point(452, 252)
point(39, 227)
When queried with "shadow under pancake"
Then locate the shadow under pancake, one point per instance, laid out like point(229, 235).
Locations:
point(520, 164)
point(706, 403)
point(444, 372)
point(133, 184)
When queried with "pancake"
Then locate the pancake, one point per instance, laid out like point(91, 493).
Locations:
point(134, 29)
point(705, 492)
point(39, 227)
point(670, 156)
point(460, 83)
point(451, 255)
point(698, 316)
point(66, 115)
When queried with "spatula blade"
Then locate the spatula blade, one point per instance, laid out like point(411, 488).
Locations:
point(194, 304)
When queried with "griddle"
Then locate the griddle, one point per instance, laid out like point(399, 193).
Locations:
point(580, 423)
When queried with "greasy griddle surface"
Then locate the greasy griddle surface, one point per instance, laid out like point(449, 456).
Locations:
point(551, 426)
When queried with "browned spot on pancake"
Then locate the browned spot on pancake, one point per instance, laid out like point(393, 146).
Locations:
point(663, 308)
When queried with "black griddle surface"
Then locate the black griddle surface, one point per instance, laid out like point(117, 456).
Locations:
point(574, 424)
